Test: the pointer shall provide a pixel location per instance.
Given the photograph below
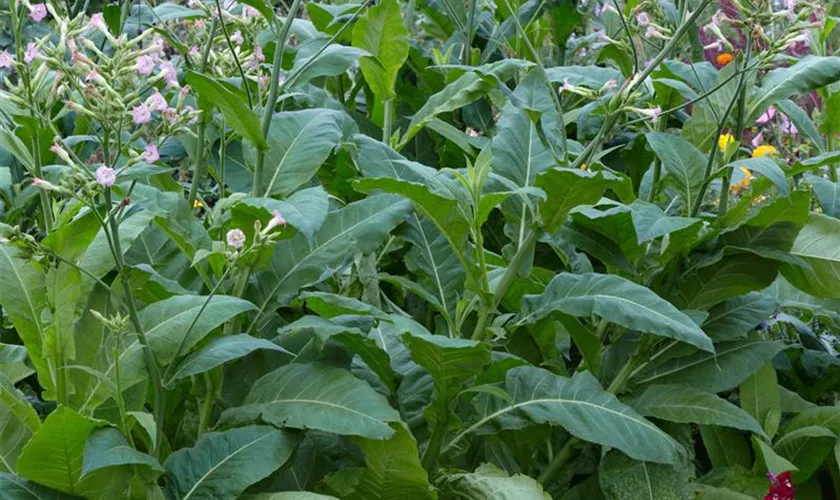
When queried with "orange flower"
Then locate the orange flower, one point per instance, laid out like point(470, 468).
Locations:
point(724, 59)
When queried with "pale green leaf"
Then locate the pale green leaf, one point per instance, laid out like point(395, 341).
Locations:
point(108, 447)
point(488, 482)
point(623, 478)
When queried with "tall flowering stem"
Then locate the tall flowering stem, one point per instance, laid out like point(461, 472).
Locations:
point(739, 131)
point(199, 170)
point(273, 89)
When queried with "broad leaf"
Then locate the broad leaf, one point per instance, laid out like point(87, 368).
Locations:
point(298, 143)
point(725, 446)
point(303, 396)
point(16, 488)
point(108, 448)
point(730, 364)
point(760, 398)
point(683, 162)
point(617, 300)
point(18, 422)
point(222, 464)
point(305, 210)
point(238, 115)
point(809, 73)
point(583, 408)
point(806, 448)
point(219, 351)
point(622, 478)
point(566, 188)
point(393, 470)
point(828, 194)
point(432, 258)
point(684, 404)
point(766, 167)
point(383, 34)
point(488, 481)
point(733, 318)
point(819, 245)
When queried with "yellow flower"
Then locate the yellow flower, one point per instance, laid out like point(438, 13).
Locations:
point(724, 141)
point(764, 150)
point(745, 182)
point(197, 204)
point(583, 166)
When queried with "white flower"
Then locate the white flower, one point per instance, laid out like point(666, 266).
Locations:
point(236, 238)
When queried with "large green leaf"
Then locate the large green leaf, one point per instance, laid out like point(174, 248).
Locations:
point(818, 243)
point(623, 478)
point(565, 189)
point(734, 317)
point(806, 448)
point(730, 364)
point(222, 464)
point(54, 455)
point(393, 470)
point(683, 162)
point(725, 446)
point(298, 144)
point(490, 482)
point(18, 422)
point(821, 416)
point(383, 34)
point(614, 299)
point(766, 167)
point(16, 488)
point(685, 404)
point(809, 73)
point(299, 262)
point(450, 361)
point(828, 194)
point(238, 115)
point(108, 447)
point(23, 295)
point(467, 89)
point(760, 398)
point(432, 258)
point(581, 406)
point(304, 396)
point(703, 287)
point(313, 60)
point(219, 351)
point(305, 210)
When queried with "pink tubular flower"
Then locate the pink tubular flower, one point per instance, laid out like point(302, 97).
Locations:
point(106, 176)
point(236, 37)
point(31, 53)
point(258, 53)
point(156, 102)
point(766, 116)
point(141, 114)
point(43, 184)
point(60, 152)
point(758, 140)
point(97, 22)
point(145, 65)
point(643, 19)
point(38, 12)
point(150, 154)
point(250, 11)
point(6, 60)
point(194, 51)
point(276, 220)
point(170, 74)
point(235, 238)
point(788, 127)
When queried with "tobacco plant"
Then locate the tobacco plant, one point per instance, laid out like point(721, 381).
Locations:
point(416, 250)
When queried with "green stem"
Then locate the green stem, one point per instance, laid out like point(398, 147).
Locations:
point(832, 169)
point(739, 131)
point(238, 291)
point(657, 163)
point(387, 113)
point(148, 354)
point(199, 168)
point(432, 452)
point(119, 396)
point(559, 460)
point(514, 266)
point(468, 36)
point(206, 405)
point(273, 89)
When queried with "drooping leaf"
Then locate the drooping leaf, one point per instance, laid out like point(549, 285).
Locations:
point(313, 62)
point(298, 262)
point(16, 488)
point(683, 162)
point(108, 447)
point(684, 404)
point(725, 446)
point(583, 408)
point(465, 90)
point(222, 464)
point(382, 33)
point(238, 115)
point(393, 470)
point(818, 244)
point(18, 422)
point(324, 398)
point(806, 448)
point(219, 351)
point(733, 318)
point(809, 73)
point(617, 300)
point(566, 188)
point(730, 364)
point(623, 478)
point(760, 398)
point(488, 481)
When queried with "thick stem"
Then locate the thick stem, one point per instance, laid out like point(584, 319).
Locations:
point(657, 163)
point(559, 460)
point(432, 452)
point(739, 131)
point(514, 266)
point(206, 405)
point(829, 145)
point(273, 90)
point(468, 36)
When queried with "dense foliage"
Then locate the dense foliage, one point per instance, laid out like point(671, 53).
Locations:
point(412, 250)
